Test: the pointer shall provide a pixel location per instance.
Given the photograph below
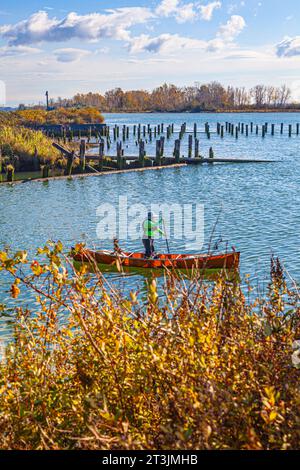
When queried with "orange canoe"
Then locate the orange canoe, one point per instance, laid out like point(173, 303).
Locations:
point(228, 261)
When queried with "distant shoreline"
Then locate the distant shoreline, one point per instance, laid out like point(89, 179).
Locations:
point(231, 111)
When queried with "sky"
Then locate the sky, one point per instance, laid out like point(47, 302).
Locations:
point(69, 47)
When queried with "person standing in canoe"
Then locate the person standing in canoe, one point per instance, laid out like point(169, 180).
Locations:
point(150, 228)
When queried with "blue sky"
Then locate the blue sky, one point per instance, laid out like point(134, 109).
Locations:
point(79, 46)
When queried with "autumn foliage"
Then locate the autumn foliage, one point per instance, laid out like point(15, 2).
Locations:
point(87, 115)
point(199, 368)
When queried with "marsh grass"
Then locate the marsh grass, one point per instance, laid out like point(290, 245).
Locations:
point(24, 144)
point(200, 368)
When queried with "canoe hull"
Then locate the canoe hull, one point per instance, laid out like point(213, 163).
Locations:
point(227, 261)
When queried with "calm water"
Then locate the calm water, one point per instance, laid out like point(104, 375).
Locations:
point(258, 204)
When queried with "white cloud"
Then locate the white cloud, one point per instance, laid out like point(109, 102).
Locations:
point(9, 51)
point(289, 47)
point(165, 43)
point(94, 26)
point(234, 26)
point(173, 43)
point(182, 12)
point(167, 7)
point(206, 11)
point(70, 54)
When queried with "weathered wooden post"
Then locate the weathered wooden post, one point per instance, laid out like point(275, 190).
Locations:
point(119, 155)
point(172, 126)
point(139, 133)
point(101, 154)
point(232, 129)
point(196, 148)
point(70, 162)
point(195, 130)
point(211, 153)
point(162, 127)
point(123, 133)
point(10, 173)
point(45, 170)
point(158, 153)
point(281, 128)
point(297, 129)
point(144, 131)
point(208, 131)
point(266, 127)
point(242, 128)
point(190, 146)
point(162, 146)
point(150, 135)
point(272, 129)
point(236, 132)
point(115, 133)
point(251, 127)
point(247, 130)
point(263, 131)
point(257, 129)
point(82, 152)
point(218, 128)
point(134, 130)
point(177, 150)
point(222, 132)
point(226, 126)
point(290, 130)
point(142, 153)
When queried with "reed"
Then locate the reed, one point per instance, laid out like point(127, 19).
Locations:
point(25, 144)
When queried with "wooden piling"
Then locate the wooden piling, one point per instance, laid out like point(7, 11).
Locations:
point(82, 152)
point(272, 129)
point(142, 153)
point(190, 148)
point(177, 150)
point(119, 155)
point(196, 150)
point(70, 161)
point(10, 173)
point(290, 130)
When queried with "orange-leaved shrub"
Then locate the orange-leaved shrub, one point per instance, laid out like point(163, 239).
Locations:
point(201, 367)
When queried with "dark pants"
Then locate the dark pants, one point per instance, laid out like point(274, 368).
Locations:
point(149, 247)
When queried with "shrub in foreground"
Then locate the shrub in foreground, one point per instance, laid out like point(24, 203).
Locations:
point(199, 368)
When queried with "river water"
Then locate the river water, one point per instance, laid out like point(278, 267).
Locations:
point(257, 205)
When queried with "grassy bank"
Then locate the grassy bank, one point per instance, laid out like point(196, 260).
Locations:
point(201, 368)
point(27, 149)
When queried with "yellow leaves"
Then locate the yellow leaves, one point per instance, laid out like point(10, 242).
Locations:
point(36, 268)
point(152, 292)
point(15, 290)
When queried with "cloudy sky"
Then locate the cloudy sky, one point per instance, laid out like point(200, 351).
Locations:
point(92, 45)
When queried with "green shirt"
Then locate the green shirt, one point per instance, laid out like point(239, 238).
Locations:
point(150, 228)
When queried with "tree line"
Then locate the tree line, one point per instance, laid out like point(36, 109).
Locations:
point(170, 98)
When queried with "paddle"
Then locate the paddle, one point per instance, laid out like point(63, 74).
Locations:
point(164, 226)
